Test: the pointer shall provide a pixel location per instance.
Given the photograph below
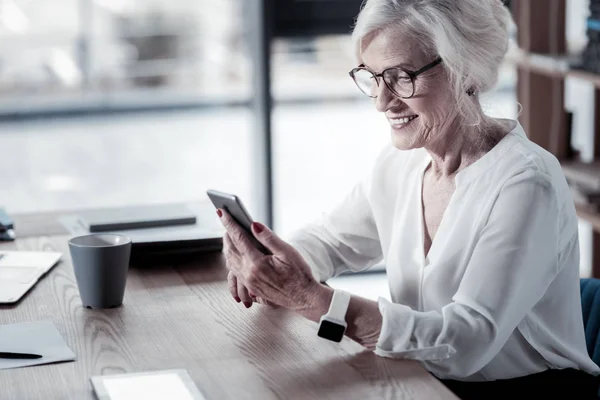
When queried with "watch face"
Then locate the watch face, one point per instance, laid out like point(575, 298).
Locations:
point(331, 331)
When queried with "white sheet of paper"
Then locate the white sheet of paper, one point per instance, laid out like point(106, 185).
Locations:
point(38, 259)
point(147, 387)
point(40, 337)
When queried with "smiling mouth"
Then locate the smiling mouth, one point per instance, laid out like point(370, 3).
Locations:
point(400, 122)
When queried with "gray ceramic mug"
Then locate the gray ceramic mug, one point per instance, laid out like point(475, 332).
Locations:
point(101, 263)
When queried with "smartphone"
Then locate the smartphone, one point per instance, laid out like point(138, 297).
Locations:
point(234, 206)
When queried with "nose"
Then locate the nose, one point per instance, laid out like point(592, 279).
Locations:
point(385, 98)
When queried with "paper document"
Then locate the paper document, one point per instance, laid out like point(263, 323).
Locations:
point(40, 337)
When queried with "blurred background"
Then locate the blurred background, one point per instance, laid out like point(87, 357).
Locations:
point(125, 102)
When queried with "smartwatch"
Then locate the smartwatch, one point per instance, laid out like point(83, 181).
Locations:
point(333, 324)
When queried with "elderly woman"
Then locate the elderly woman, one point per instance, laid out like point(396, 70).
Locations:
point(475, 223)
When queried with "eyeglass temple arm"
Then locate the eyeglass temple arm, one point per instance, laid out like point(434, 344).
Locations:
point(427, 67)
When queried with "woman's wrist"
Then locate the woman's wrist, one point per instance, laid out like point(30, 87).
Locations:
point(317, 304)
point(363, 316)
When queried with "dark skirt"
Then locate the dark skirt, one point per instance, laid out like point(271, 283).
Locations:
point(550, 384)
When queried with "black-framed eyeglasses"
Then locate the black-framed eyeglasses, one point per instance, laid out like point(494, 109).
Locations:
point(400, 81)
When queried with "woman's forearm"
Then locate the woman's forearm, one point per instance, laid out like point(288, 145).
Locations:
point(363, 316)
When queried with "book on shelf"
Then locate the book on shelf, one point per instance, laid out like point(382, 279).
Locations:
point(585, 176)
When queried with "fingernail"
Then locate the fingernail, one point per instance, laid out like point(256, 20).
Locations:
point(219, 213)
point(258, 228)
point(237, 299)
point(248, 305)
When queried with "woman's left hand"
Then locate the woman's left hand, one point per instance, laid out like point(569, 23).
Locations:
point(282, 278)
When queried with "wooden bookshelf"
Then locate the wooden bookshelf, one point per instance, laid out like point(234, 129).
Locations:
point(590, 215)
point(586, 175)
point(588, 76)
point(542, 65)
point(555, 67)
point(583, 174)
point(550, 66)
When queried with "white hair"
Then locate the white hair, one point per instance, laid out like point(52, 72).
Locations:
point(471, 37)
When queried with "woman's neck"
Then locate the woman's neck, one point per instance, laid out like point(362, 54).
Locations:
point(461, 145)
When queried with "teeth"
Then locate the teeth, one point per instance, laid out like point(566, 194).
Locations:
point(402, 121)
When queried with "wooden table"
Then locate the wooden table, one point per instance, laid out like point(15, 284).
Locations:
point(182, 316)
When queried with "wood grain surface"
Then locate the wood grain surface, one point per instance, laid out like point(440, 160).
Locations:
point(182, 316)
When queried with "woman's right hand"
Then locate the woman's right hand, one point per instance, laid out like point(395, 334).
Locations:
point(239, 291)
point(241, 294)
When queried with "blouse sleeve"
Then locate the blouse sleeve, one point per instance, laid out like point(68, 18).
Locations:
point(512, 265)
point(344, 240)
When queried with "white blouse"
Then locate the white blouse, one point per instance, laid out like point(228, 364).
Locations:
point(498, 295)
